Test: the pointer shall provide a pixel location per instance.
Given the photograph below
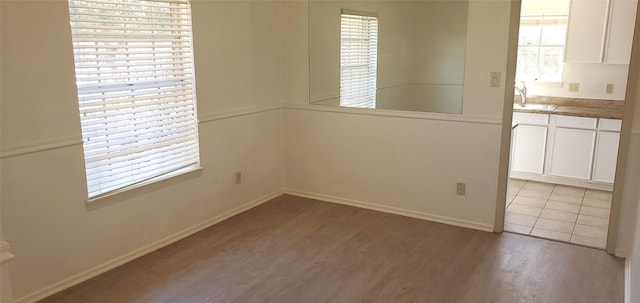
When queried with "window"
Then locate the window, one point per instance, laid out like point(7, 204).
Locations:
point(358, 59)
point(136, 90)
point(541, 48)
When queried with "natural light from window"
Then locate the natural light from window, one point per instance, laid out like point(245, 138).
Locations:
point(542, 39)
point(136, 90)
point(358, 59)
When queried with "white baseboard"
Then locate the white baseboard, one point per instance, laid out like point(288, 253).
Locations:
point(391, 210)
point(562, 181)
point(627, 281)
point(113, 263)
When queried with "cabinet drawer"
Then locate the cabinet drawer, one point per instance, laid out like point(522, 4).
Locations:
point(610, 124)
point(575, 122)
point(529, 118)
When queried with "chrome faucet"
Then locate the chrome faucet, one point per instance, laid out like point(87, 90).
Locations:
point(523, 92)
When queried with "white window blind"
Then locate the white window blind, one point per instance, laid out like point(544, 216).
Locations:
point(136, 90)
point(358, 60)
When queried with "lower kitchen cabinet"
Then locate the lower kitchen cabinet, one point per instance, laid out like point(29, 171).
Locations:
point(572, 153)
point(578, 151)
point(604, 167)
point(529, 147)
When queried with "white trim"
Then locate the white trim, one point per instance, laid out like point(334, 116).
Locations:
point(74, 140)
point(627, 281)
point(562, 180)
point(391, 210)
point(5, 254)
point(354, 12)
point(621, 253)
point(40, 146)
point(397, 114)
point(113, 263)
point(237, 112)
point(420, 82)
point(319, 98)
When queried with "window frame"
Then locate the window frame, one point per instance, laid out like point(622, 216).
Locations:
point(135, 78)
point(542, 20)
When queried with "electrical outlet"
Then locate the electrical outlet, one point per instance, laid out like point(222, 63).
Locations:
point(609, 89)
point(494, 79)
point(461, 189)
point(238, 177)
point(574, 87)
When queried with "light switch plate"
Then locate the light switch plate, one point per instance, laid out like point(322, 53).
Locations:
point(494, 79)
point(609, 89)
point(574, 87)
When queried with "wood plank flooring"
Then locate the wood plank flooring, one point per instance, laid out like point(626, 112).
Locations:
point(293, 249)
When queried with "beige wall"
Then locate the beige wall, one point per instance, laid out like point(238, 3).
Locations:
point(52, 232)
point(407, 163)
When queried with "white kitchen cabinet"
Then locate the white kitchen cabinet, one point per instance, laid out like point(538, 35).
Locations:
point(585, 31)
point(529, 145)
point(600, 31)
point(571, 150)
point(604, 166)
point(572, 153)
point(620, 31)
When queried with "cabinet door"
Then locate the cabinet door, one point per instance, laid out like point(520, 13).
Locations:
point(585, 32)
point(620, 31)
point(572, 153)
point(529, 146)
point(604, 167)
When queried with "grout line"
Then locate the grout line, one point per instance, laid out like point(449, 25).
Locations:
point(543, 208)
point(579, 210)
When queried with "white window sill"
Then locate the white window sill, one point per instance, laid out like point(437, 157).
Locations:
point(142, 187)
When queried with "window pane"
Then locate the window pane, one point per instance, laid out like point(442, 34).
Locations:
point(529, 34)
point(554, 34)
point(527, 66)
point(550, 63)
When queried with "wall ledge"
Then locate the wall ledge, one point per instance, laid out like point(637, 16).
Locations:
point(118, 261)
point(40, 146)
point(621, 253)
point(391, 210)
point(75, 140)
point(5, 253)
point(397, 114)
point(210, 117)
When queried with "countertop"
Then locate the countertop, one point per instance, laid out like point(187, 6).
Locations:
point(593, 108)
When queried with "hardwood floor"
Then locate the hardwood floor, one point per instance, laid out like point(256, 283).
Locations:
point(293, 249)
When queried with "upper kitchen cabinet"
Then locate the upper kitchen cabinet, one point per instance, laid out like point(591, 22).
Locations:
point(620, 31)
point(600, 31)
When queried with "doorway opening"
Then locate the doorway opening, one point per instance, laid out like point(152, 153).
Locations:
point(569, 101)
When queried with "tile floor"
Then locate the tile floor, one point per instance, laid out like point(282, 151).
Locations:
point(565, 213)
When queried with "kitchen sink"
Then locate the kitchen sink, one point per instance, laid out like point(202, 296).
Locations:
point(535, 106)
